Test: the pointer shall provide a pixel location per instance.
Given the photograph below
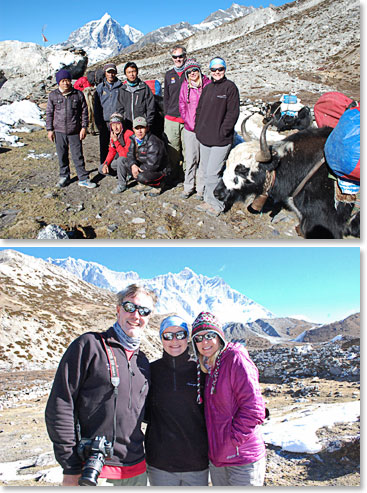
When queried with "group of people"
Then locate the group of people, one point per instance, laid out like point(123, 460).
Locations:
point(191, 146)
point(203, 408)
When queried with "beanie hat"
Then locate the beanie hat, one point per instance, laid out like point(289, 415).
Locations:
point(62, 74)
point(191, 63)
point(116, 118)
point(206, 321)
point(217, 61)
point(173, 321)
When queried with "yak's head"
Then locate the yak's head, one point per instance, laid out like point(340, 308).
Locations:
point(242, 173)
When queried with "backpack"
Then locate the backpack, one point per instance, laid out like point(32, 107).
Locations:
point(329, 108)
point(342, 149)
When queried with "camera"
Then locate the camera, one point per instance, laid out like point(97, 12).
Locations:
point(94, 453)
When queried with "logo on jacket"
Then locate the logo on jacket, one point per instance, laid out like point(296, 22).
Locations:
point(222, 96)
point(173, 80)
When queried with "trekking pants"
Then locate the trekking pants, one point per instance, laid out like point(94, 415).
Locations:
point(63, 142)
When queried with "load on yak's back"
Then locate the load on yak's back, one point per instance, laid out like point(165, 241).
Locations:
point(302, 172)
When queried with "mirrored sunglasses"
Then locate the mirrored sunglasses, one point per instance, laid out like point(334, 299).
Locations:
point(169, 336)
point(178, 56)
point(218, 69)
point(192, 71)
point(208, 336)
point(130, 307)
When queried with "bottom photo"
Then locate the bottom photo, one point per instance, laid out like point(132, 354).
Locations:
point(180, 366)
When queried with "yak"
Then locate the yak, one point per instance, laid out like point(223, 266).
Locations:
point(293, 172)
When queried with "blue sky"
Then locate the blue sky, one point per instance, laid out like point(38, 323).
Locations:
point(320, 283)
point(24, 20)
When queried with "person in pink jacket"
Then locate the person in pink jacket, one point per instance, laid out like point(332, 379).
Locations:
point(234, 407)
point(190, 93)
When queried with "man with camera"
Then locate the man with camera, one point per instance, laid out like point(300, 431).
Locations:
point(96, 405)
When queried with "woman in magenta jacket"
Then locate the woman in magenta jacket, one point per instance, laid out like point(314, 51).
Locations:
point(234, 407)
point(190, 93)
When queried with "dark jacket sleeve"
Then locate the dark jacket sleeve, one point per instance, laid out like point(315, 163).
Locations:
point(98, 110)
point(150, 106)
point(131, 158)
point(120, 105)
point(85, 118)
point(50, 110)
point(233, 111)
point(166, 93)
point(60, 410)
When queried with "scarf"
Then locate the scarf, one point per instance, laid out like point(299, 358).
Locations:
point(67, 92)
point(129, 343)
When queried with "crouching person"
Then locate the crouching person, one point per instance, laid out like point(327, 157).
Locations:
point(147, 157)
point(116, 160)
point(66, 124)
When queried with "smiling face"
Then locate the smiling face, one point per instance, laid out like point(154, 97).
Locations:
point(64, 84)
point(133, 324)
point(217, 72)
point(178, 58)
point(208, 347)
point(174, 347)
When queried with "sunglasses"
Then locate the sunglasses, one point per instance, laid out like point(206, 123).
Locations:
point(178, 56)
point(208, 336)
point(169, 336)
point(130, 307)
point(220, 69)
point(192, 71)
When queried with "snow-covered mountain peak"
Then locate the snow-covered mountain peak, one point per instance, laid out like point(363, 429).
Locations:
point(185, 293)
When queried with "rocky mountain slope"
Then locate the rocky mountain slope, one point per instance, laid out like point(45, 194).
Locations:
point(307, 47)
point(43, 307)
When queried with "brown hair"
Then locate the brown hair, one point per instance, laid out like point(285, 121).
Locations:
point(132, 290)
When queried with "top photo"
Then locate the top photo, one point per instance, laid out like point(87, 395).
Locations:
point(217, 121)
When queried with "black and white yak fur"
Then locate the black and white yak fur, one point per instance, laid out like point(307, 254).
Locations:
point(319, 214)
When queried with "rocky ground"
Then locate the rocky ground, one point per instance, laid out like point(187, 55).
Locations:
point(30, 201)
point(23, 436)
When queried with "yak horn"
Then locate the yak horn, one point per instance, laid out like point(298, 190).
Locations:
point(264, 155)
point(245, 135)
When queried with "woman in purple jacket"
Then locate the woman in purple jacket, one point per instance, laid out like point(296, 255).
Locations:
point(234, 407)
point(190, 93)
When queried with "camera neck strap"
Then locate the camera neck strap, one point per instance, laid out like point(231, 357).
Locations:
point(115, 381)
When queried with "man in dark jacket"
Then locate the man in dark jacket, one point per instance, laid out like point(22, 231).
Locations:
point(135, 98)
point(66, 124)
point(147, 157)
point(105, 103)
point(173, 122)
point(99, 389)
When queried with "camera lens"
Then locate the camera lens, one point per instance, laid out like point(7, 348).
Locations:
point(92, 470)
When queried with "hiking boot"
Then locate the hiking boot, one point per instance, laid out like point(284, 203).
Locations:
point(63, 182)
point(121, 187)
point(208, 209)
point(186, 195)
point(198, 196)
point(87, 184)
